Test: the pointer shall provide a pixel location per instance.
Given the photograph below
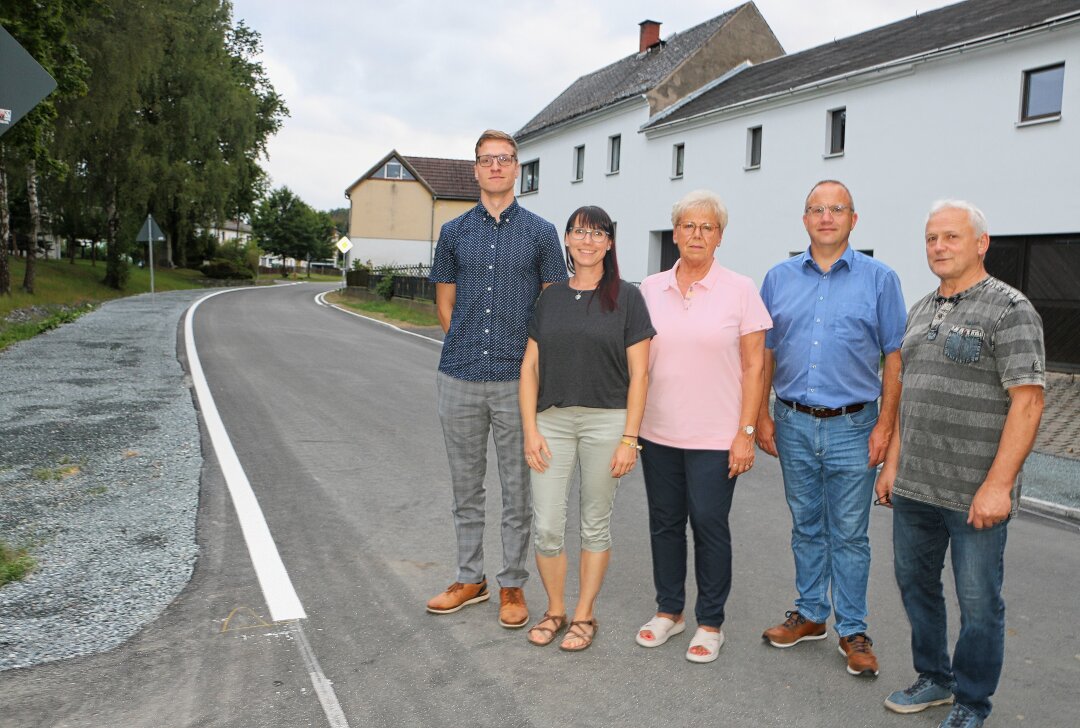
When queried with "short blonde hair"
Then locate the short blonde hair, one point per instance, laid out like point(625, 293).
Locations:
point(706, 199)
point(495, 135)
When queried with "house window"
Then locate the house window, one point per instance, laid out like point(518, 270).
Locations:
point(393, 170)
point(837, 126)
point(530, 176)
point(614, 152)
point(1042, 93)
point(753, 147)
point(678, 158)
point(579, 163)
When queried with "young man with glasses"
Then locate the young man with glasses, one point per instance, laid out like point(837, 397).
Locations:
point(490, 265)
point(836, 312)
point(972, 399)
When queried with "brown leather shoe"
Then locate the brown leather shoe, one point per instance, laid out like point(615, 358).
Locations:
point(459, 595)
point(860, 657)
point(512, 610)
point(794, 630)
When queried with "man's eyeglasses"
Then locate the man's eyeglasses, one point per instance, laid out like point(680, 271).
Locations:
point(504, 160)
point(581, 233)
point(819, 210)
point(706, 228)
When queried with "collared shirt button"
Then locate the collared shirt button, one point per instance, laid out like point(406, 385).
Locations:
point(813, 366)
point(489, 288)
point(815, 343)
point(818, 320)
point(812, 389)
point(487, 331)
point(821, 298)
point(491, 267)
point(492, 247)
point(485, 351)
point(488, 310)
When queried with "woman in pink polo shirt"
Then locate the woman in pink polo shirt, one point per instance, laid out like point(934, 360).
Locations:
point(697, 434)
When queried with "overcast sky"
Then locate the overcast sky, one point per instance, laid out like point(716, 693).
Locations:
point(426, 77)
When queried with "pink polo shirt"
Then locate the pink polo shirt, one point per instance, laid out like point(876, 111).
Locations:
point(695, 367)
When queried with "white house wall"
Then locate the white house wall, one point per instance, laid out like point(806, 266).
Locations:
point(947, 128)
point(391, 252)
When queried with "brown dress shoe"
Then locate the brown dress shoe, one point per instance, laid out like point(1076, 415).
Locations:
point(794, 630)
point(860, 657)
point(459, 595)
point(512, 610)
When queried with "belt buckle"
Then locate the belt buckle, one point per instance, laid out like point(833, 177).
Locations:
point(819, 412)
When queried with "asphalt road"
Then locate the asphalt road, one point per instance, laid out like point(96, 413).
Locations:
point(333, 419)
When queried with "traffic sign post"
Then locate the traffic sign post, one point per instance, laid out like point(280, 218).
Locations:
point(23, 82)
point(344, 245)
point(148, 233)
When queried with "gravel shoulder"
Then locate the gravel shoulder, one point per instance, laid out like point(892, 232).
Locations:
point(99, 477)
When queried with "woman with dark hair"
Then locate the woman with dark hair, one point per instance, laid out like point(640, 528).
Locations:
point(582, 394)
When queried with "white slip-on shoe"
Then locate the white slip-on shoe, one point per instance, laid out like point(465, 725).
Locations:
point(662, 629)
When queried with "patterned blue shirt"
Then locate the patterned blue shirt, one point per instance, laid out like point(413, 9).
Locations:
point(498, 268)
point(831, 328)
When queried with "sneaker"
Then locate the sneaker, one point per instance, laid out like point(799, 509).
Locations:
point(860, 657)
point(512, 610)
point(925, 693)
point(961, 717)
point(459, 595)
point(794, 630)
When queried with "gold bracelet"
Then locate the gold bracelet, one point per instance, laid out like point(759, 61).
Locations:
point(628, 443)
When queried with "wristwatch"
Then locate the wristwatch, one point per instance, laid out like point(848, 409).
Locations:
point(749, 430)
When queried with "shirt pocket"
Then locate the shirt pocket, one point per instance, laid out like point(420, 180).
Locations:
point(854, 319)
point(964, 344)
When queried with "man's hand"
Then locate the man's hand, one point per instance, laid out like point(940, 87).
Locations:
point(766, 434)
point(990, 506)
point(883, 488)
point(879, 443)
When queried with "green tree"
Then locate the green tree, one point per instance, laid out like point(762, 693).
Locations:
point(285, 225)
point(44, 29)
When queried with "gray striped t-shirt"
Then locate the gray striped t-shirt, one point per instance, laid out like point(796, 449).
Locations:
point(961, 355)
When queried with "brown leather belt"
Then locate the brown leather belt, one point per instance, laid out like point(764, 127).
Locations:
point(822, 412)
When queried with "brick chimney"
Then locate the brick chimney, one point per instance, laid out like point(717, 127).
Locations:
point(650, 35)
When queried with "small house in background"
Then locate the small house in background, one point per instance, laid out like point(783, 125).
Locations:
point(397, 207)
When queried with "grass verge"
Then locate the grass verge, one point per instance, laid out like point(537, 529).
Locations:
point(390, 311)
point(14, 563)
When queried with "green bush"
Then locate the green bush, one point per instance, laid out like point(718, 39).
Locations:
point(385, 286)
point(223, 268)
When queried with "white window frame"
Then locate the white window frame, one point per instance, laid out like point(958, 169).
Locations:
point(831, 116)
point(754, 137)
point(678, 160)
point(614, 145)
point(534, 177)
point(577, 170)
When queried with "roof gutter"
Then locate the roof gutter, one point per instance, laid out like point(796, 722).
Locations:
point(1004, 37)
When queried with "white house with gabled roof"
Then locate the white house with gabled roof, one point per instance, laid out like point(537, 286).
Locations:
point(979, 100)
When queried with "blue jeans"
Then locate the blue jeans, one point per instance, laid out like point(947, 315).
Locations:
point(829, 488)
point(921, 534)
point(692, 484)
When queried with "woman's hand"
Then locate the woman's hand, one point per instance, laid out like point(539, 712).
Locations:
point(741, 455)
point(624, 459)
point(537, 454)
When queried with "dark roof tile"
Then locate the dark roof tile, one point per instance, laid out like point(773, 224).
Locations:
point(923, 33)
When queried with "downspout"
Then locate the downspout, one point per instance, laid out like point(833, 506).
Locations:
point(431, 232)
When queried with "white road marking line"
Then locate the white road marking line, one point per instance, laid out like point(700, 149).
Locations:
point(281, 597)
point(322, 302)
point(277, 588)
point(324, 689)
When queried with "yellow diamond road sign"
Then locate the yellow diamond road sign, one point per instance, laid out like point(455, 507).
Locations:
point(344, 245)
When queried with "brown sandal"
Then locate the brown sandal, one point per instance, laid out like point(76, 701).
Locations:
point(549, 633)
point(577, 632)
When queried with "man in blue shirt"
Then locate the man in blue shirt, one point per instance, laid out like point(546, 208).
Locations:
point(835, 313)
point(490, 265)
